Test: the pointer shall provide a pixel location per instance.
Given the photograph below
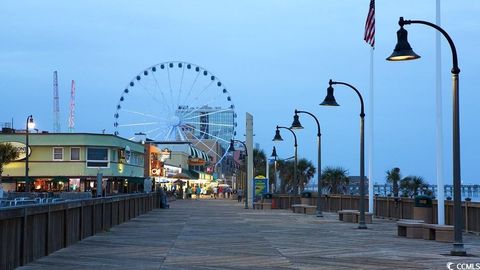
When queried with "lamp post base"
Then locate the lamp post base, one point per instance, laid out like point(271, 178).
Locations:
point(362, 226)
point(458, 250)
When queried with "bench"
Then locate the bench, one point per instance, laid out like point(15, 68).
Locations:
point(262, 205)
point(347, 215)
point(353, 216)
point(368, 217)
point(410, 228)
point(440, 233)
point(304, 209)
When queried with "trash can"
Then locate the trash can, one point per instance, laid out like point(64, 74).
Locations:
point(267, 198)
point(423, 208)
point(306, 198)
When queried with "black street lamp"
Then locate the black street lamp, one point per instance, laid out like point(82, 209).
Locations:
point(275, 156)
point(297, 125)
point(402, 52)
point(330, 101)
point(278, 137)
point(232, 149)
point(30, 124)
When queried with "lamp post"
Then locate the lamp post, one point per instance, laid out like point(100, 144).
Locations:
point(274, 155)
point(297, 125)
point(330, 101)
point(30, 124)
point(232, 149)
point(278, 137)
point(402, 52)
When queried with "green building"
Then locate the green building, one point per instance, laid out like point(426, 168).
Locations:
point(72, 161)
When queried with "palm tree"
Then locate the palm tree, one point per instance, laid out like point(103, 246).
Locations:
point(306, 171)
point(259, 162)
point(411, 185)
point(393, 177)
point(335, 179)
point(8, 153)
point(285, 171)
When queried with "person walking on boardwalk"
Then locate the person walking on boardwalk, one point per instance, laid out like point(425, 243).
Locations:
point(215, 192)
point(220, 192)
point(239, 194)
point(198, 191)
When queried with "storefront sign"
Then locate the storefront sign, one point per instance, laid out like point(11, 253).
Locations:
point(260, 186)
point(21, 150)
point(171, 170)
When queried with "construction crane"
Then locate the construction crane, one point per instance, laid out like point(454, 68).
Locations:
point(56, 107)
point(71, 116)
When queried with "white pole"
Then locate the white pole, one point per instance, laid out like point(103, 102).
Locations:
point(267, 172)
point(267, 169)
point(249, 143)
point(439, 128)
point(370, 138)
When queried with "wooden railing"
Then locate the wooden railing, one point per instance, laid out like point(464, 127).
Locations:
point(386, 207)
point(30, 232)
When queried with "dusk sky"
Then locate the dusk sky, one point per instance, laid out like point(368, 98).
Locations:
point(274, 56)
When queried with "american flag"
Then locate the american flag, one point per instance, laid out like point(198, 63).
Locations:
point(370, 25)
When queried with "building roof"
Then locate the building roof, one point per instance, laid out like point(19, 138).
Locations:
point(72, 139)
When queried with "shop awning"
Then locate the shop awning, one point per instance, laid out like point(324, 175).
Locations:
point(196, 153)
point(186, 174)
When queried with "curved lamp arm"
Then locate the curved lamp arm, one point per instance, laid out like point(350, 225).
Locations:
point(314, 117)
point(455, 68)
point(294, 136)
point(362, 112)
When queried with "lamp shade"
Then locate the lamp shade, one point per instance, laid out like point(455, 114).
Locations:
point(330, 98)
point(402, 51)
point(277, 136)
point(274, 152)
point(296, 123)
point(30, 123)
point(232, 147)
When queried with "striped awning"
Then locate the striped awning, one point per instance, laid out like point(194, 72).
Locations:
point(196, 153)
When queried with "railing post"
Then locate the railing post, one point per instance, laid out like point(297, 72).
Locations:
point(466, 216)
point(388, 208)
point(47, 237)
point(103, 215)
point(23, 250)
point(401, 209)
point(118, 212)
point(65, 226)
point(81, 219)
point(341, 202)
point(94, 223)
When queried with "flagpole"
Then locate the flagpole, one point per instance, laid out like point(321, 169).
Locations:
point(370, 139)
point(439, 122)
point(369, 37)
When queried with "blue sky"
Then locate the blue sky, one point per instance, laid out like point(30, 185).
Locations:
point(273, 55)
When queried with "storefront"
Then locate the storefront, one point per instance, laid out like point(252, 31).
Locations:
point(73, 161)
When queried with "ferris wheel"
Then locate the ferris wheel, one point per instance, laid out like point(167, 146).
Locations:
point(177, 101)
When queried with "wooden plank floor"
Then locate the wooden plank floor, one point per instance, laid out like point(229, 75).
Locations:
point(220, 234)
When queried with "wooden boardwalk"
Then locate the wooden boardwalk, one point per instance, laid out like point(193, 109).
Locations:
point(220, 234)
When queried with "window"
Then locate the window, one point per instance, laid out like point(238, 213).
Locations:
point(74, 153)
point(57, 153)
point(97, 157)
